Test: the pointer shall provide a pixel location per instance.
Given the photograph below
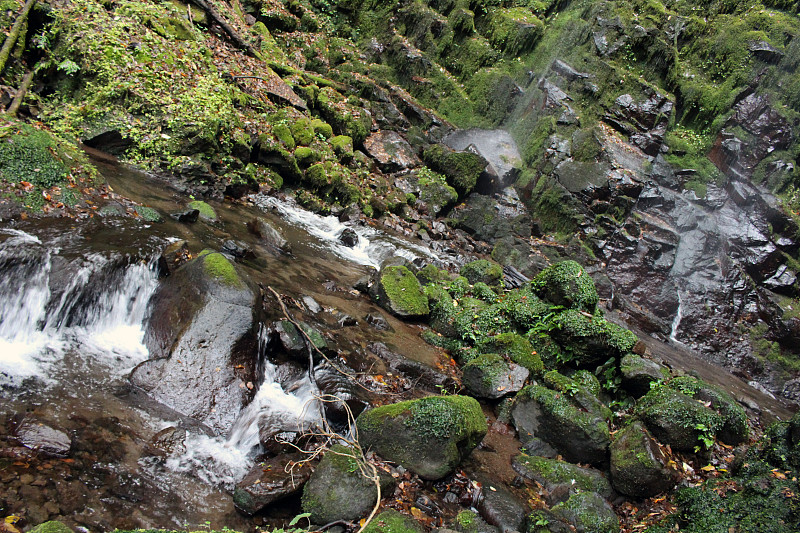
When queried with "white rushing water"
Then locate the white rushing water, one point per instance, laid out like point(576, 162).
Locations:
point(374, 246)
point(676, 322)
point(39, 323)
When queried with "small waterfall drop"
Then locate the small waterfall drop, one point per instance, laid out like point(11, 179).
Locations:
point(373, 246)
point(676, 322)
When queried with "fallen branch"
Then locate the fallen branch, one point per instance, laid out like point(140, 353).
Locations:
point(227, 28)
point(13, 35)
point(27, 80)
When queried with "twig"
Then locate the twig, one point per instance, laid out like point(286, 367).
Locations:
point(27, 79)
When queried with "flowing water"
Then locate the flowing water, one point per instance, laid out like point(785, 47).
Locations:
point(73, 307)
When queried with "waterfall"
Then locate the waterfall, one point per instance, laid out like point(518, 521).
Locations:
point(373, 246)
point(676, 322)
point(98, 313)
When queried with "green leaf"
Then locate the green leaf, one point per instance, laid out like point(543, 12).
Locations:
point(299, 517)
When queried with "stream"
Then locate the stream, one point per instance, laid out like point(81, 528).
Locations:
point(73, 312)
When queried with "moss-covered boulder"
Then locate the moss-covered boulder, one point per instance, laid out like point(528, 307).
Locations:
point(491, 376)
point(484, 271)
point(338, 489)
point(462, 169)
point(567, 283)
point(639, 373)
point(560, 476)
point(399, 292)
point(678, 420)
point(430, 436)
point(735, 428)
point(581, 396)
point(589, 513)
point(206, 211)
point(468, 521)
point(391, 521)
point(430, 273)
point(53, 526)
point(549, 415)
point(638, 467)
point(517, 348)
point(591, 340)
point(220, 269)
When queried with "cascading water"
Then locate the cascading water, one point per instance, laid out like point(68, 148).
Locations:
point(373, 246)
point(676, 322)
point(99, 312)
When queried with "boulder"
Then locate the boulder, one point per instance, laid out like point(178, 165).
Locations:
point(349, 237)
point(430, 436)
point(338, 489)
point(567, 283)
point(560, 477)
point(490, 376)
point(589, 513)
point(399, 292)
point(676, 419)
point(200, 314)
point(38, 436)
point(499, 506)
point(467, 521)
point(391, 151)
point(549, 415)
point(391, 521)
point(735, 429)
point(638, 373)
point(592, 340)
point(53, 526)
point(484, 271)
point(268, 482)
point(638, 467)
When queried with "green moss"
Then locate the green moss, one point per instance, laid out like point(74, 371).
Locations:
point(206, 211)
point(342, 145)
point(518, 349)
point(430, 273)
point(663, 407)
point(391, 521)
point(303, 131)
point(148, 214)
point(491, 366)
point(322, 128)
point(591, 338)
point(316, 176)
point(31, 155)
point(306, 156)
point(567, 283)
point(220, 269)
point(404, 292)
point(462, 169)
point(582, 509)
point(587, 380)
point(482, 270)
point(514, 30)
point(524, 308)
point(53, 526)
point(735, 428)
point(557, 472)
point(484, 292)
point(284, 134)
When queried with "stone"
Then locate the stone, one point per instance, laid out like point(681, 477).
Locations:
point(53, 526)
point(349, 237)
point(567, 283)
point(555, 475)
point(391, 151)
point(735, 429)
point(269, 235)
point(589, 513)
point(549, 415)
point(638, 467)
point(421, 373)
point(338, 488)
point(237, 249)
point(543, 521)
point(429, 436)
point(399, 292)
point(467, 521)
point(490, 376)
point(484, 271)
point(499, 506)
point(37, 435)
point(166, 442)
point(269, 482)
point(638, 373)
point(391, 521)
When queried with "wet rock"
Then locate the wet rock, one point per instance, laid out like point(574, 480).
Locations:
point(589, 513)
point(201, 315)
point(338, 489)
point(499, 507)
point(391, 151)
point(430, 436)
point(638, 467)
point(567, 283)
point(490, 376)
point(548, 415)
point(239, 250)
point(556, 475)
point(543, 521)
point(488, 220)
point(498, 148)
point(638, 373)
point(277, 434)
point(645, 121)
point(175, 255)
point(421, 373)
point(268, 482)
point(765, 52)
point(269, 235)
point(675, 418)
point(167, 442)
point(187, 217)
point(399, 292)
point(391, 521)
point(311, 304)
point(378, 322)
point(349, 237)
point(37, 435)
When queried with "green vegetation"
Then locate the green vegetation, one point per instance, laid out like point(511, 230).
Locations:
point(206, 211)
point(484, 271)
point(401, 290)
point(220, 269)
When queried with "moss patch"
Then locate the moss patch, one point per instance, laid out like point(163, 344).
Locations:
point(206, 211)
point(220, 269)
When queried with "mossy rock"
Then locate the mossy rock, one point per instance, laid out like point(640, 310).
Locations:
point(283, 133)
point(220, 269)
point(429, 436)
point(442, 309)
point(484, 271)
point(322, 128)
point(435, 193)
point(547, 349)
point(579, 395)
point(589, 513)
point(468, 521)
point(638, 467)
point(148, 214)
point(587, 380)
point(306, 156)
point(391, 521)
point(639, 373)
point(591, 340)
point(430, 273)
point(28, 155)
point(579, 436)
point(206, 211)
point(490, 376)
point(346, 119)
point(400, 293)
point(555, 474)
point(514, 30)
point(316, 176)
point(735, 429)
point(524, 308)
point(338, 490)
point(462, 169)
point(567, 283)
point(342, 145)
point(53, 526)
point(302, 131)
point(517, 348)
point(676, 419)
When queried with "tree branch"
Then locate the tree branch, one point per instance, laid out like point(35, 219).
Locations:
point(13, 35)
